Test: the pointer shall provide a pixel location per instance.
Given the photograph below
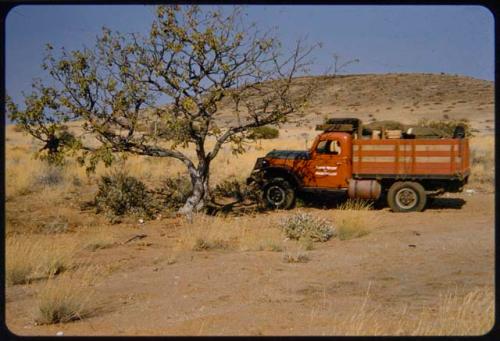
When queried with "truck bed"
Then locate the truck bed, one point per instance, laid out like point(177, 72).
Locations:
point(414, 158)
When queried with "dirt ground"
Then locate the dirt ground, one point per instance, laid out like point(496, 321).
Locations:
point(407, 262)
point(159, 285)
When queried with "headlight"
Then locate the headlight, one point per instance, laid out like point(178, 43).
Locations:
point(261, 163)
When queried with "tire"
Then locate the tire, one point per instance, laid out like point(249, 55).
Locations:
point(406, 197)
point(278, 194)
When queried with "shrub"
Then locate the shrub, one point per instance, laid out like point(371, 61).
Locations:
point(120, 194)
point(237, 190)
point(304, 225)
point(230, 189)
point(264, 132)
point(174, 192)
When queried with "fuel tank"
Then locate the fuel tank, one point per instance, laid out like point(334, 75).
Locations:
point(364, 189)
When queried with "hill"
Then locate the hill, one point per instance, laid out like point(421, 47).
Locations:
point(403, 97)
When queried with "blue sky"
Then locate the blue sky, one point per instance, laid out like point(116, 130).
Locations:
point(450, 39)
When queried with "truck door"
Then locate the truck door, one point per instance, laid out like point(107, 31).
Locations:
point(331, 161)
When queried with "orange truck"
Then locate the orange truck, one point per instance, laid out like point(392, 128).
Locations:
point(403, 167)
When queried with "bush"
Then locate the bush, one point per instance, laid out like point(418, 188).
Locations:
point(229, 189)
point(174, 192)
point(304, 225)
point(447, 126)
point(264, 132)
point(237, 190)
point(120, 194)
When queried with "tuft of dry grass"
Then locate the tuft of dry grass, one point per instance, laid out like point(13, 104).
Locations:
point(97, 238)
point(455, 313)
point(66, 298)
point(202, 244)
point(356, 205)
point(295, 257)
point(30, 257)
point(352, 224)
point(19, 262)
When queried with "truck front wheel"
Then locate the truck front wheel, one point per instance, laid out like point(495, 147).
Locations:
point(278, 194)
point(406, 197)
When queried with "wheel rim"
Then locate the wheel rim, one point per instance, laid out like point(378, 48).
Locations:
point(407, 198)
point(276, 195)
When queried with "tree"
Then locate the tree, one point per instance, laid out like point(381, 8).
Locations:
point(193, 60)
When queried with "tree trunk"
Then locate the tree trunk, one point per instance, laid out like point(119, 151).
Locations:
point(200, 195)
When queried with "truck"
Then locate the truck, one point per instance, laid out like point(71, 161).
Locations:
point(403, 168)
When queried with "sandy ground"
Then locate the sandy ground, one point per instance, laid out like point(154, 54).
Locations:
point(408, 261)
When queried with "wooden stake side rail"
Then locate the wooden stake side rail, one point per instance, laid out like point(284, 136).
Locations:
point(412, 157)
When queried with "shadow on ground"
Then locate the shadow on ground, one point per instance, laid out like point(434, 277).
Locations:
point(445, 203)
point(326, 201)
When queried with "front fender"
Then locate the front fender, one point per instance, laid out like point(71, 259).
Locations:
point(283, 172)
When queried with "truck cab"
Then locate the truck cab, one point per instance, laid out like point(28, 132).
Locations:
point(331, 161)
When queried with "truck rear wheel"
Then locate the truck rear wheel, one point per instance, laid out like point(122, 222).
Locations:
point(406, 197)
point(278, 194)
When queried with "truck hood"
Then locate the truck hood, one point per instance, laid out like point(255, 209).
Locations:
point(289, 154)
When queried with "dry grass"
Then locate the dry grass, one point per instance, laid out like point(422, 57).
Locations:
point(356, 205)
point(455, 313)
point(97, 238)
point(482, 162)
point(66, 298)
point(30, 257)
point(352, 224)
point(230, 233)
point(295, 257)
point(20, 261)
